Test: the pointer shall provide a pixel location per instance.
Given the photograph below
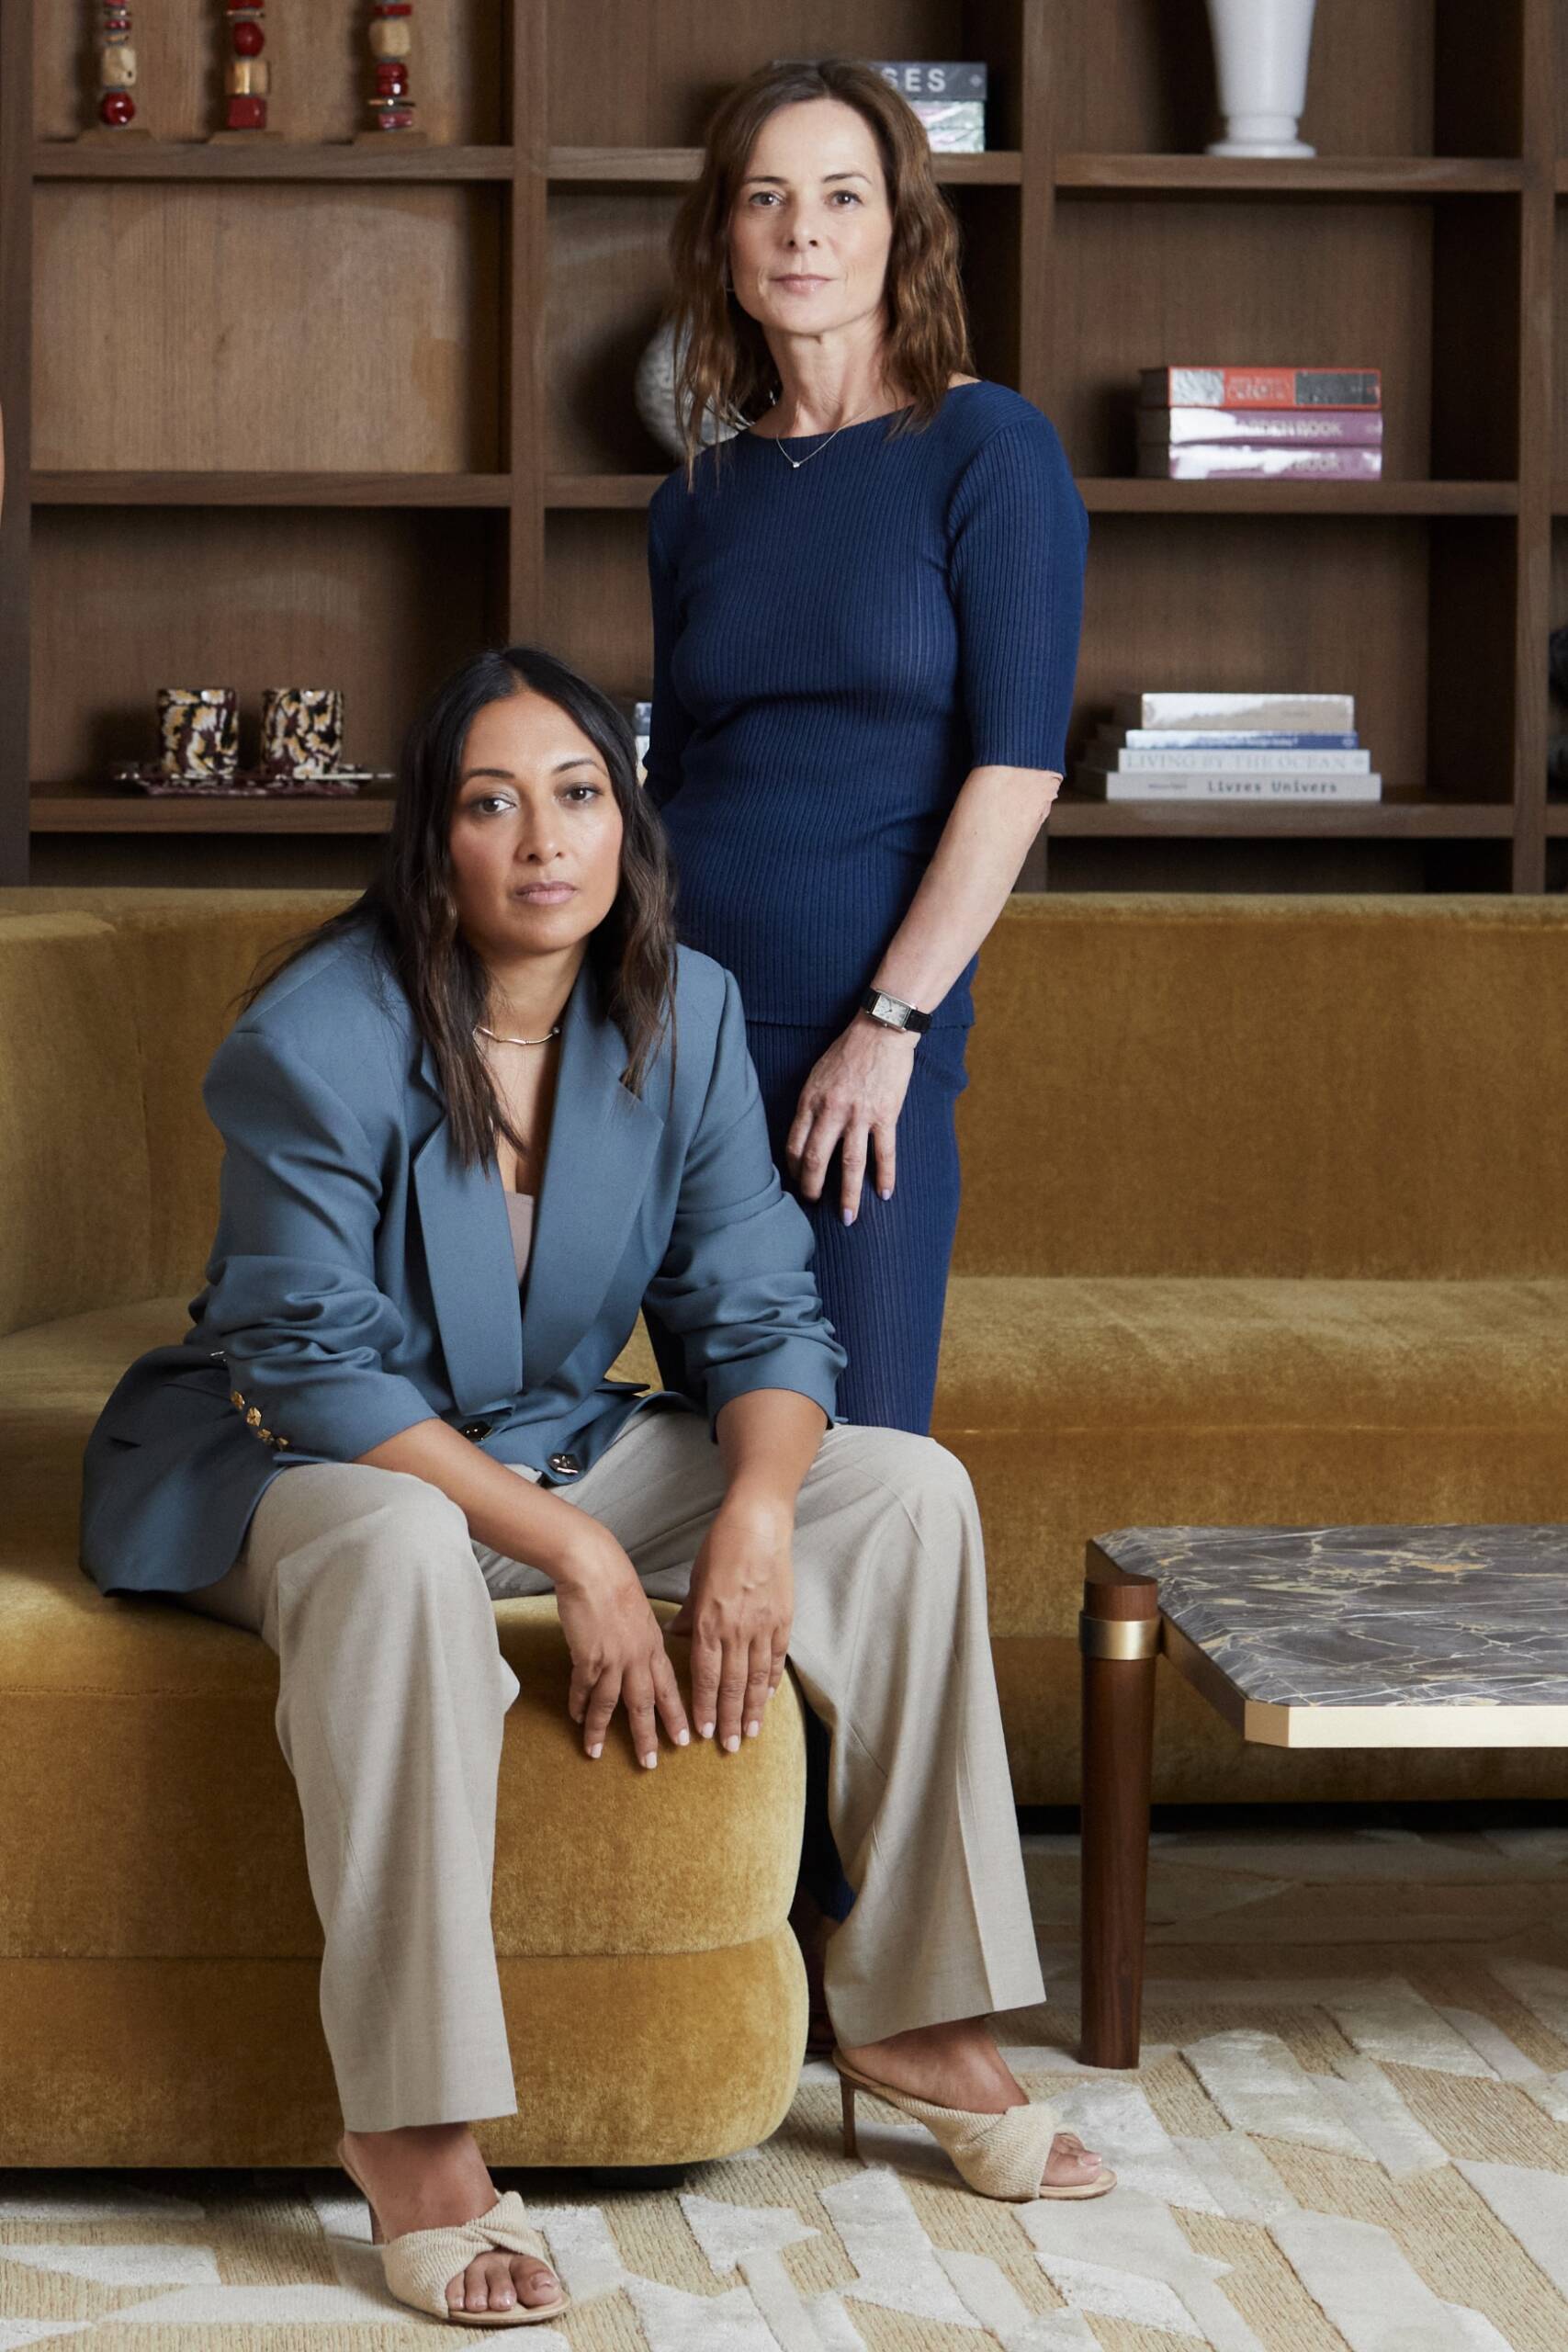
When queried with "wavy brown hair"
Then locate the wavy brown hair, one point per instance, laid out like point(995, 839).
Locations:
point(725, 365)
point(411, 908)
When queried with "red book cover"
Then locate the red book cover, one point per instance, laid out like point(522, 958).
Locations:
point(1260, 388)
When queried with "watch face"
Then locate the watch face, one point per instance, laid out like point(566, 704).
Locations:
point(887, 1009)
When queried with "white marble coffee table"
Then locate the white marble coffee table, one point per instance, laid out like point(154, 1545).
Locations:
point(1299, 1637)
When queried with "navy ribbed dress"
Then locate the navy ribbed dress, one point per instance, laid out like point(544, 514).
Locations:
point(834, 650)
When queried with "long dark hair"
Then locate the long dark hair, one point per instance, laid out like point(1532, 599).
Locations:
point(725, 365)
point(411, 906)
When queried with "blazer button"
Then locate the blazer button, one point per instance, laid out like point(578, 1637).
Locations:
point(475, 1429)
point(565, 1465)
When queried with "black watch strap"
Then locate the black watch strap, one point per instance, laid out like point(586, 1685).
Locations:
point(892, 1012)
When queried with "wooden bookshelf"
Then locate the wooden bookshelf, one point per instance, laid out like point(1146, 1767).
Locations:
point(327, 413)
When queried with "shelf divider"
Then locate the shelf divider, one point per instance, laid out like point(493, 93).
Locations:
point(16, 401)
point(175, 159)
point(181, 487)
point(603, 167)
point(1390, 176)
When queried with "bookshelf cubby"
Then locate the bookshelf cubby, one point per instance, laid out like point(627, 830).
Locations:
point(319, 411)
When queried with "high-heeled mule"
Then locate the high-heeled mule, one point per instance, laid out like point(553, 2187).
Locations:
point(418, 2264)
point(996, 2155)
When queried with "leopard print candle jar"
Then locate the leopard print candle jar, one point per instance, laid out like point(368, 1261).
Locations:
point(302, 729)
point(198, 731)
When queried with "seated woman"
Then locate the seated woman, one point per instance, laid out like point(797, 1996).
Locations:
point(496, 1069)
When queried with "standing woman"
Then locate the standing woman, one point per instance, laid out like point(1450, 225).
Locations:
point(866, 610)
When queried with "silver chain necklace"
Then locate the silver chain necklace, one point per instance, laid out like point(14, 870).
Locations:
point(796, 463)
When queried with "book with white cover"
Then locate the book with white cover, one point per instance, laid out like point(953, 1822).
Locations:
point(1226, 739)
point(1123, 758)
point(1333, 714)
point(1101, 784)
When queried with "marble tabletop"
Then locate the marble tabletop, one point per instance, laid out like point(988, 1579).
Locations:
point(1368, 1617)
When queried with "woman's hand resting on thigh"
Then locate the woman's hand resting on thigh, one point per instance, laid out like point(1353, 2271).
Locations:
point(618, 1649)
point(852, 1096)
point(737, 1610)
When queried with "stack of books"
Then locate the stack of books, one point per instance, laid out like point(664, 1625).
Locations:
point(1268, 748)
point(1260, 423)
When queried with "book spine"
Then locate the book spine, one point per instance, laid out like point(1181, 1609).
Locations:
point(1235, 461)
point(1163, 762)
point(1175, 427)
point(1160, 710)
point(924, 77)
point(1260, 388)
point(1234, 738)
point(1095, 784)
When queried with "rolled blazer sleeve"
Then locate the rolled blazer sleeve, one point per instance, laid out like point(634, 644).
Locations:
point(735, 1284)
point(292, 1298)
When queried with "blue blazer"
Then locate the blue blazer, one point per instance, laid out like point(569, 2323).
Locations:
point(361, 1278)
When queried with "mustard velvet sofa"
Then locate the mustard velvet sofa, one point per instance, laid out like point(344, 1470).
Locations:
point(1264, 1221)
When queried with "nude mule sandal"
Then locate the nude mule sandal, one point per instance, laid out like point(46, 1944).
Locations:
point(418, 2264)
point(996, 2155)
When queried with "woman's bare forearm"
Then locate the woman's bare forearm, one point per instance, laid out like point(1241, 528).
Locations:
point(990, 830)
point(506, 1514)
point(769, 1439)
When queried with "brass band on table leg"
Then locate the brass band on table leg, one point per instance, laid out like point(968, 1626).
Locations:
point(1124, 1637)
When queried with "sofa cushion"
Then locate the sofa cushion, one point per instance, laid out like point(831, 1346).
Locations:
point(1371, 1086)
point(185, 1837)
point(73, 1172)
point(1080, 1406)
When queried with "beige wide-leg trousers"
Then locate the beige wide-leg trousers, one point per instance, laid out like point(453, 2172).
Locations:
point(392, 1691)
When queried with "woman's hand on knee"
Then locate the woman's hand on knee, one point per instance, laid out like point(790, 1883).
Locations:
point(737, 1611)
point(618, 1657)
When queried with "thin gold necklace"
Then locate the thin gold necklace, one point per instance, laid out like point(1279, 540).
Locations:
point(481, 1031)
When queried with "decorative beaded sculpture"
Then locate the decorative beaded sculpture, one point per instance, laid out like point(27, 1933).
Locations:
point(391, 40)
point(247, 80)
point(116, 67)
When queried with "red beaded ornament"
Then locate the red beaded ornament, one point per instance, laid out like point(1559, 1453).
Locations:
point(117, 66)
point(248, 78)
point(391, 41)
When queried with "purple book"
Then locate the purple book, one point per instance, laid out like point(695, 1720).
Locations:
point(1205, 462)
point(1171, 427)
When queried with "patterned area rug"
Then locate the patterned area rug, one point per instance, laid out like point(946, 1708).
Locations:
point(1350, 2127)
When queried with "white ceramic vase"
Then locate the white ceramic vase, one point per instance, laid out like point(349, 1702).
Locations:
point(1260, 63)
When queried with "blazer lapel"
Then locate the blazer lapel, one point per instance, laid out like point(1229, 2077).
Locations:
point(597, 1160)
point(601, 1146)
point(473, 1277)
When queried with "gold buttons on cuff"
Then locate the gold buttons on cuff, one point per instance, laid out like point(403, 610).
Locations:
point(253, 1420)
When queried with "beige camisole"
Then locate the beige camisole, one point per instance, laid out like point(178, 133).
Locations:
point(520, 1216)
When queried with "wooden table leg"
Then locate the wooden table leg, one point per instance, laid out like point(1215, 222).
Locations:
point(1119, 1634)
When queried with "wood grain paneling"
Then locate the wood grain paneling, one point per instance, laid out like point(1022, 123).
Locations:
point(1337, 605)
point(1136, 282)
point(598, 617)
point(625, 74)
point(1139, 75)
point(267, 326)
point(381, 605)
